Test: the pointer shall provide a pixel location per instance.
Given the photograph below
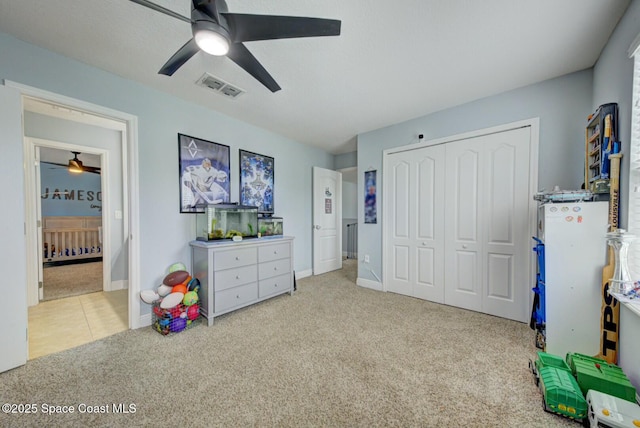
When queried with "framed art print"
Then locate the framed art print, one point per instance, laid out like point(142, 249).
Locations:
point(204, 173)
point(257, 181)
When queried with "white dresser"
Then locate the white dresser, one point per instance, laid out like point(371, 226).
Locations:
point(237, 274)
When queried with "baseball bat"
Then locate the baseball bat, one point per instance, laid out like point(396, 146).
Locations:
point(610, 312)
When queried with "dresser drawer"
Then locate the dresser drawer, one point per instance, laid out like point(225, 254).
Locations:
point(235, 258)
point(277, 284)
point(229, 278)
point(275, 268)
point(235, 297)
point(268, 253)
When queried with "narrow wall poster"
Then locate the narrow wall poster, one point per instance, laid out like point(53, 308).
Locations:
point(370, 213)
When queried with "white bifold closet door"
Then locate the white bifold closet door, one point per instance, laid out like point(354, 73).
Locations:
point(413, 207)
point(457, 230)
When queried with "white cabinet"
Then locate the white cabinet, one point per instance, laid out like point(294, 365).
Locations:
point(237, 274)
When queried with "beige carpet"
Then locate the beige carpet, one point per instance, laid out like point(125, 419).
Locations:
point(71, 280)
point(332, 355)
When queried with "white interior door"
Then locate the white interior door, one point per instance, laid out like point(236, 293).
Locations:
point(327, 220)
point(13, 334)
point(487, 257)
point(463, 264)
point(507, 252)
point(415, 239)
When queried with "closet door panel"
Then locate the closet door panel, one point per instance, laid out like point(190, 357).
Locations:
point(429, 216)
point(463, 279)
point(398, 210)
point(415, 239)
point(506, 245)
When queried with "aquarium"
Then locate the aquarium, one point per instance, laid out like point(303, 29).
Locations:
point(268, 226)
point(224, 221)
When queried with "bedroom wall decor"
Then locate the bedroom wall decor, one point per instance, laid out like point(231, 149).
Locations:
point(204, 173)
point(257, 181)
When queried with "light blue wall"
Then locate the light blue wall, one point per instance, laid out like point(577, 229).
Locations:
point(562, 105)
point(164, 232)
point(345, 160)
point(613, 82)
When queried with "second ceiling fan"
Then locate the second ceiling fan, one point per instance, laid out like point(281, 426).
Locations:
point(218, 32)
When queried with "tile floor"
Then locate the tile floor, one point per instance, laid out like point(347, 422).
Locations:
point(73, 321)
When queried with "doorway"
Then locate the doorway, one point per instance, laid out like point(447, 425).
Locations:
point(70, 248)
point(70, 214)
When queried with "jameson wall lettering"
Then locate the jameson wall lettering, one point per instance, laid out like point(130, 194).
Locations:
point(72, 195)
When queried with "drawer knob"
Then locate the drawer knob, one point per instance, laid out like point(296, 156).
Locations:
point(237, 258)
point(275, 285)
point(237, 276)
point(237, 296)
point(275, 252)
point(275, 268)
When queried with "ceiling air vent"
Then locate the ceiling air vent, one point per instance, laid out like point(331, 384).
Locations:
point(215, 83)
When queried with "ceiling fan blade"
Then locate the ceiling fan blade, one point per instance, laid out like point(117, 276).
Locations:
point(161, 9)
point(239, 54)
point(247, 28)
point(178, 59)
point(92, 169)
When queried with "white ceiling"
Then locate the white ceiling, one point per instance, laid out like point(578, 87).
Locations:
point(394, 61)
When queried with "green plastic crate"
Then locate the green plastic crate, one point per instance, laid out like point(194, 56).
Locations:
point(599, 375)
point(562, 393)
point(550, 360)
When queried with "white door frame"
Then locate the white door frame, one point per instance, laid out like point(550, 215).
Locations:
point(131, 223)
point(33, 213)
point(533, 123)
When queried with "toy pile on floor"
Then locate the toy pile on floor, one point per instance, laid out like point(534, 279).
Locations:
point(175, 302)
point(586, 388)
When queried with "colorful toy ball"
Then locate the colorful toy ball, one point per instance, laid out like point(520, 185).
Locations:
point(178, 324)
point(180, 288)
point(164, 290)
point(176, 267)
point(175, 312)
point(175, 278)
point(194, 285)
point(149, 296)
point(193, 311)
point(190, 298)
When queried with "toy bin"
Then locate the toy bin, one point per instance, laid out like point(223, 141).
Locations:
point(550, 360)
point(599, 375)
point(173, 320)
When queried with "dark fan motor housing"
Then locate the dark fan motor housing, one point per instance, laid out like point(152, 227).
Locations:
point(212, 16)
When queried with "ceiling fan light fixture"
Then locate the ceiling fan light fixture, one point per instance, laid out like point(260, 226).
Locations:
point(75, 167)
point(211, 38)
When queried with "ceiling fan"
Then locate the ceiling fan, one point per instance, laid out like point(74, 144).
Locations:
point(218, 32)
point(75, 165)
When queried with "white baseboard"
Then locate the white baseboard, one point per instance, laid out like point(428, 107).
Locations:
point(122, 284)
point(367, 283)
point(304, 273)
point(144, 321)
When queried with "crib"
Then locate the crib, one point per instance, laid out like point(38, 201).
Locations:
point(71, 238)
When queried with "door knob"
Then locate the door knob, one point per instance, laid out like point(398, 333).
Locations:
point(317, 226)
